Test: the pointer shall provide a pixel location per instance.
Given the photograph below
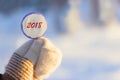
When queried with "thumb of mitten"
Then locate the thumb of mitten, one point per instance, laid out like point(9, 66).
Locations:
point(34, 51)
point(19, 67)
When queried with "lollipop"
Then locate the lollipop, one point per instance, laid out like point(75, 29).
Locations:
point(34, 25)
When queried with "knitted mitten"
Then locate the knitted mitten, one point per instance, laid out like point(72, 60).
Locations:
point(35, 60)
point(19, 67)
point(44, 56)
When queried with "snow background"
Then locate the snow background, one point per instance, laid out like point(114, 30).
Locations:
point(90, 52)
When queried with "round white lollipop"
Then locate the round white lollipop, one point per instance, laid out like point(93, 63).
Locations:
point(34, 25)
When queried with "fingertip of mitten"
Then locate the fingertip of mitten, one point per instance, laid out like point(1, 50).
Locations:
point(49, 59)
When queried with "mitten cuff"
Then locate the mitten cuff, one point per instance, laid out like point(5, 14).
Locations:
point(18, 68)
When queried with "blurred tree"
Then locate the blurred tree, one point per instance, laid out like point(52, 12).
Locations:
point(107, 13)
point(9, 6)
point(42, 5)
point(58, 6)
point(95, 9)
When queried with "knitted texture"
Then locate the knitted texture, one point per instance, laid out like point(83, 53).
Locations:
point(7, 77)
point(18, 68)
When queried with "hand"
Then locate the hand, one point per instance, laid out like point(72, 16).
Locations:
point(43, 54)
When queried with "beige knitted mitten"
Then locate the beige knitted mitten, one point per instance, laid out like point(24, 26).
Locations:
point(19, 67)
point(45, 57)
point(35, 60)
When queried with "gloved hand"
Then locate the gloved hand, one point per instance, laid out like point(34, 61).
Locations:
point(42, 58)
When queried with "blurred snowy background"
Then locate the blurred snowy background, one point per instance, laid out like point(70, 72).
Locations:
point(87, 32)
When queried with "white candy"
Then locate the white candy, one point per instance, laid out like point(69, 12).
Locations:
point(34, 25)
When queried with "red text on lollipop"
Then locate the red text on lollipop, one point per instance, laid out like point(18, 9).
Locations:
point(34, 25)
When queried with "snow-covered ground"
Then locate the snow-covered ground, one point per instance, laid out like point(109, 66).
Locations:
point(88, 53)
